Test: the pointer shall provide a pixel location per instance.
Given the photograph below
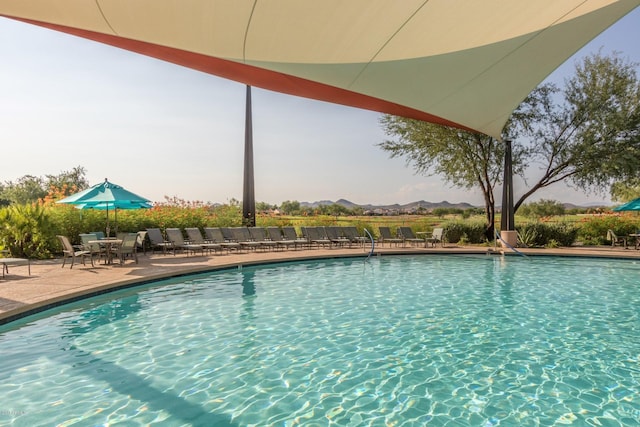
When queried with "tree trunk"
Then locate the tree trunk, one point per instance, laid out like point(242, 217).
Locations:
point(490, 209)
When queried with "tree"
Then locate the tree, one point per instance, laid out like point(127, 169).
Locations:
point(68, 182)
point(264, 207)
point(27, 189)
point(31, 189)
point(542, 208)
point(587, 135)
point(289, 207)
point(3, 200)
point(625, 191)
point(464, 159)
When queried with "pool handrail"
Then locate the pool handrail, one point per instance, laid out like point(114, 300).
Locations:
point(509, 246)
point(373, 243)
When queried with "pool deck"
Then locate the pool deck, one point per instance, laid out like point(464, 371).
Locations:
point(50, 285)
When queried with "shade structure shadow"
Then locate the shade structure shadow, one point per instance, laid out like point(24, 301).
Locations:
point(116, 378)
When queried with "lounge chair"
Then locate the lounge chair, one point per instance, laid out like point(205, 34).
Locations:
point(177, 240)
point(289, 233)
point(127, 248)
point(334, 234)
point(259, 234)
point(195, 237)
point(316, 236)
point(242, 236)
point(436, 237)
point(228, 234)
point(68, 251)
point(407, 235)
point(157, 241)
point(615, 239)
point(351, 233)
point(214, 235)
point(387, 237)
point(275, 234)
point(6, 262)
point(141, 241)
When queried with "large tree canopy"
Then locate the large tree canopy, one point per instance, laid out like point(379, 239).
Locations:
point(586, 135)
point(30, 189)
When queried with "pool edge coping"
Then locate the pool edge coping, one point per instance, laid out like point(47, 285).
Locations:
point(29, 309)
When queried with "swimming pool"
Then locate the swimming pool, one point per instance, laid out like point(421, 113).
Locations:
point(401, 341)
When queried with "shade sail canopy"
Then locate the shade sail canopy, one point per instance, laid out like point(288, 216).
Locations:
point(633, 205)
point(464, 63)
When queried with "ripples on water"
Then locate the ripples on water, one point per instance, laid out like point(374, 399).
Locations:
point(465, 341)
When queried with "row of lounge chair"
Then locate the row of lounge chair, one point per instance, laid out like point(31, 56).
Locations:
point(405, 235)
point(225, 239)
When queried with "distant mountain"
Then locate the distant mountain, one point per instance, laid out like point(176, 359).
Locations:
point(422, 204)
point(408, 206)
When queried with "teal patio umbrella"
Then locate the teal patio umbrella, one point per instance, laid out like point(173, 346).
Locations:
point(633, 205)
point(106, 196)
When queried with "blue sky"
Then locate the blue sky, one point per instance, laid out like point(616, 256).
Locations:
point(163, 130)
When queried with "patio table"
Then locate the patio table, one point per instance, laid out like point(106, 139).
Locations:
point(109, 243)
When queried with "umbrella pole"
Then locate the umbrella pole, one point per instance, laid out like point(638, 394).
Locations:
point(108, 229)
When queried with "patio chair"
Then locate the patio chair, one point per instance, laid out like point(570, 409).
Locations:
point(436, 237)
point(407, 235)
point(99, 234)
point(214, 235)
point(177, 240)
point(127, 248)
point(68, 251)
point(615, 239)
point(195, 237)
point(387, 237)
point(157, 241)
point(96, 249)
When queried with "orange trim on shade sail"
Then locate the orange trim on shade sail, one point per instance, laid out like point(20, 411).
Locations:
point(253, 76)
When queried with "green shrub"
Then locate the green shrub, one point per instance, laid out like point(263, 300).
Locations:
point(540, 234)
point(593, 230)
point(564, 234)
point(474, 231)
point(26, 231)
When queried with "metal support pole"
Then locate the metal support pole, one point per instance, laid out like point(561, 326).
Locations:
point(248, 192)
point(507, 224)
point(507, 221)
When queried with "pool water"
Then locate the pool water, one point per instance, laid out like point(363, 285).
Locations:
point(393, 341)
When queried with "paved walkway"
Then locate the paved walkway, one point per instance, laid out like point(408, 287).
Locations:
point(49, 284)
